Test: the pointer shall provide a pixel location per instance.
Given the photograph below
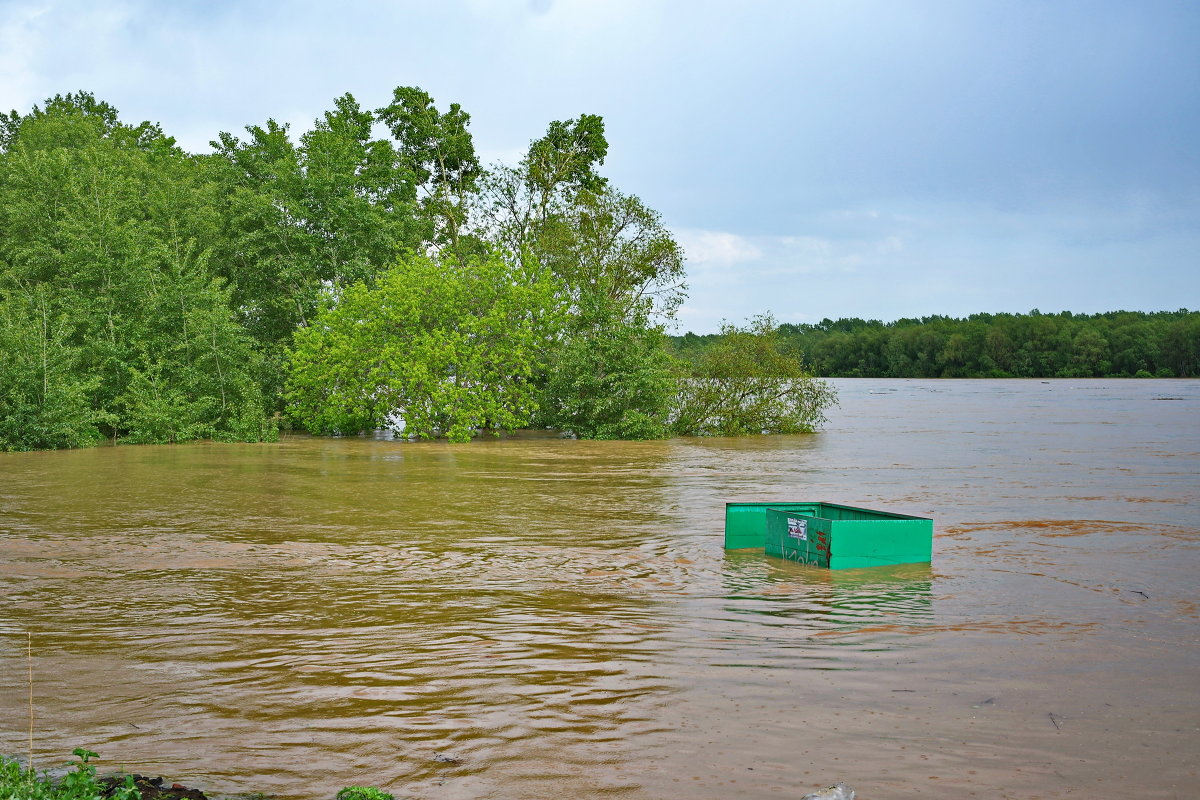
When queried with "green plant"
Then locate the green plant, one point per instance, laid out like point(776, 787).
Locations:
point(450, 347)
point(363, 793)
point(19, 783)
point(611, 378)
point(746, 384)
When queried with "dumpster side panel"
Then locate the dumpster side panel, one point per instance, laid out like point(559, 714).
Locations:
point(798, 537)
point(746, 523)
point(775, 542)
point(821, 541)
point(894, 541)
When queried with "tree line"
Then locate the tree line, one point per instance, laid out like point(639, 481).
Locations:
point(1120, 344)
point(370, 272)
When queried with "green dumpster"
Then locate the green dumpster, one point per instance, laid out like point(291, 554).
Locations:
point(828, 534)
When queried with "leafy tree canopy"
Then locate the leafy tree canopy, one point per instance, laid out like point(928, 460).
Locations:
point(747, 384)
point(611, 377)
point(451, 348)
point(366, 271)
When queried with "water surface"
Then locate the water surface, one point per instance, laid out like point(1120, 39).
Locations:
point(543, 618)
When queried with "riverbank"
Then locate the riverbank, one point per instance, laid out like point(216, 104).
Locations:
point(80, 782)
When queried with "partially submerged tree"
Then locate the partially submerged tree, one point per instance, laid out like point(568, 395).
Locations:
point(611, 377)
point(108, 231)
point(746, 383)
point(450, 347)
point(44, 393)
point(621, 277)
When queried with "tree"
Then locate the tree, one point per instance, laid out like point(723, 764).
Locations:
point(110, 228)
point(450, 347)
point(334, 209)
point(621, 277)
point(43, 391)
point(746, 384)
point(611, 378)
point(517, 205)
point(614, 246)
point(438, 150)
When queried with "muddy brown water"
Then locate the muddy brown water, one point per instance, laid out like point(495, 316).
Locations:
point(542, 618)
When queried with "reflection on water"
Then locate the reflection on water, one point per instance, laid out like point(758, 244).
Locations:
point(537, 617)
point(809, 601)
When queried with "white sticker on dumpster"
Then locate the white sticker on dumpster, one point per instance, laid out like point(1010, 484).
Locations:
point(798, 529)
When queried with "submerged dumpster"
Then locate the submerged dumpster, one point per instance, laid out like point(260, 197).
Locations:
point(828, 534)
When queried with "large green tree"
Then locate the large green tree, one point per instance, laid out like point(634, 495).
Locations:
point(450, 347)
point(610, 377)
point(438, 151)
point(332, 209)
point(621, 276)
point(109, 228)
point(337, 206)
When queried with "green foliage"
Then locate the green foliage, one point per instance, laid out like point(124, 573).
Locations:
point(150, 295)
point(621, 277)
point(450, 347)
point(1034, 345)
point(611, 378)
point(334, 209)
point(363, 793)
point(79, 783)
point(440, 154)
point(565, 159)
point(517, 205)
point(44, 393)
point(614, 246)
point(110, 230)
point(555, 207)
point(75, 119)
point(747, 384)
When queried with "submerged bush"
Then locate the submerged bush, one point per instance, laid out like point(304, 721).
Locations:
point(747, 384)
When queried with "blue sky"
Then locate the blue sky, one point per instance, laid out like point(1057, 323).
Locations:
point(816, 159)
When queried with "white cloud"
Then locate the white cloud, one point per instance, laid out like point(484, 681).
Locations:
point(716, 248)
point(886, 216)
point(18, 45)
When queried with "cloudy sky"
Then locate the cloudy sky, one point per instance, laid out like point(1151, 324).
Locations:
point(817, 159)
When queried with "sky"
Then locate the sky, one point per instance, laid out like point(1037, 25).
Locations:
point(851, 158)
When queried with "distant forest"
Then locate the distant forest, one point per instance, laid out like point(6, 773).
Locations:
point(1116, 344)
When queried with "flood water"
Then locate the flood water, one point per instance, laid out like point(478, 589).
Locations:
point(543, 618)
